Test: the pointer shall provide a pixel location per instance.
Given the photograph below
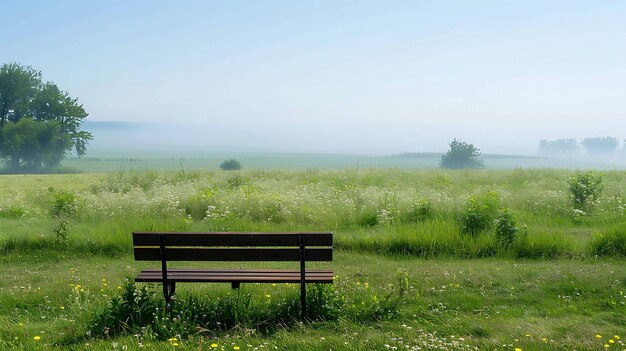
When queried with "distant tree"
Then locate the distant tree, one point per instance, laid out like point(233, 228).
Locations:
point(39, 123)
point(230, 165)
point(600, 145)
point(461, 155)
point(558, 147)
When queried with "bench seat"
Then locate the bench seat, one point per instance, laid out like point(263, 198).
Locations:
point(234, 276)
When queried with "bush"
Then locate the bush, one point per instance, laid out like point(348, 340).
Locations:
point(506, 228)
point(230, 165)
point(611, 242)
point(480, 210)
point(585, 188)
point(64, 204)
point(461, 155)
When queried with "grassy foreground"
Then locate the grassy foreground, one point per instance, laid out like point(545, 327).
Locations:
point(561, 285)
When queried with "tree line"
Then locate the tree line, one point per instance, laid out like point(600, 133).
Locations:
point(596, 146)
point(39, 123)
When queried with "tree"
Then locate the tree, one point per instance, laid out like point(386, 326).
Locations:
point(230, 165)
point(556, 147)
point(39, 123)
point(461, 155)
point(600, 145)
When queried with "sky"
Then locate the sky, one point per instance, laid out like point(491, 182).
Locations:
point(371, 77)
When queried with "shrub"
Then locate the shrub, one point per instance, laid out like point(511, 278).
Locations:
point(63, 204)
point(129, 312)
point(585, 188)
point(480, 210)
point(230, 165)
point(506, 229)
point(461, 155)
point(610, 242)
point(62, 230)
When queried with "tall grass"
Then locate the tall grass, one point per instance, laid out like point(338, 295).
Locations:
point(397, 212)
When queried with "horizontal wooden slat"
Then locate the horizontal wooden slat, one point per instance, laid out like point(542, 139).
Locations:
point(236, 254)
point(248, 276)
point(233, 270)
point(232, 239)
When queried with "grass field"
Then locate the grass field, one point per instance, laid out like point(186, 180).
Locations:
point(409, 276)
point(107, 161)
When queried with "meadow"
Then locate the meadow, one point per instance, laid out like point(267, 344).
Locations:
point(410, 275)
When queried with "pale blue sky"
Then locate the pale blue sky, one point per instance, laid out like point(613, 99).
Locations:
point(337, 76)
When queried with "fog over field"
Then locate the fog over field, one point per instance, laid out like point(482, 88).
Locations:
point(341, 77)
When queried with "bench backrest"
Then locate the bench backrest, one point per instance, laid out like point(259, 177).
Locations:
point(232, 246)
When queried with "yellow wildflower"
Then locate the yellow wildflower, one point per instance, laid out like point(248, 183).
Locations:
point(37, 338)
point(236, 347)
point(213, 345)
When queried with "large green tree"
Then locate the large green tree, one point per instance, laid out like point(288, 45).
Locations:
point(461, 155)
point(39, 123)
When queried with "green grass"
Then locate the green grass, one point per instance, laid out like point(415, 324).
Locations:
point(562, 279)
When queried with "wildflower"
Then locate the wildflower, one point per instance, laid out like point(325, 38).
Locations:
point(236, 347)
point(616, 337)
point(213, 345)
point(611, 341)
point(268, 296)
point(607, 346)
point(37, 338)
point(598, 336)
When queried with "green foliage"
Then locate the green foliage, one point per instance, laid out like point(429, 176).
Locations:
point(461, 155)
point(324, 302)
point(64, 204)
point(140, 310)
point(420, 210)
point(62, 230)
point(479, 213)
point(29, 145)
point(610, 242)
point(12, 212)
point(39, 123)
point(506, 228)
point(230, 165)
point(133, 309)
point(585, 188)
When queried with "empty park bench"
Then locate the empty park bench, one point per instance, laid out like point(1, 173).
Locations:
point(231, 246)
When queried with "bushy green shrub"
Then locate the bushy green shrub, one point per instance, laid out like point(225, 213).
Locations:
point(610, 242)
point(64, 204)
point(506, 227)
point(230, 165)
point(479, 213)
point(132, 310)
point(585, 188)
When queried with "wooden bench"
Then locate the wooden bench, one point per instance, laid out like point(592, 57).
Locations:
point(231, 246)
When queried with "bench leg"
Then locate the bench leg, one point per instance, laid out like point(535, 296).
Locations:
point(168, 290)
point(235, 285)
point(303, 300)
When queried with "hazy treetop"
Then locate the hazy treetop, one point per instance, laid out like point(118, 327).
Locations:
point(286, 72)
